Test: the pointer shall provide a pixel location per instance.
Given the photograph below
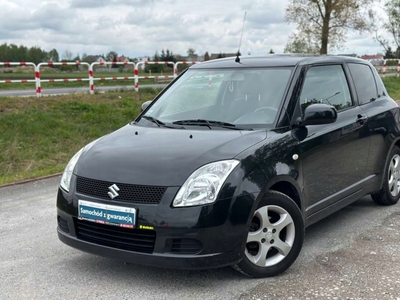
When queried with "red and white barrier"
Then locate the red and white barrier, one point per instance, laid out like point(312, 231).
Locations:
point(50, 64)
point(385, 67)
point(9, 64)
point(181, 63)
point(150, 77)
point(91, 73)
point(91, 77)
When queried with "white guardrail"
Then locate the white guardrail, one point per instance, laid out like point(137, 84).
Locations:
point(382, 67)
point(380, 64)
point(91, 72)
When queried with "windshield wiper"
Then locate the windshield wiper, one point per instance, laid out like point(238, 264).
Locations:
point(210, 123)
point(160, 123)
point(154, 120)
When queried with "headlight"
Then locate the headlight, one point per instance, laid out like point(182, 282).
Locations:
point(66, 177)
point(203, 186)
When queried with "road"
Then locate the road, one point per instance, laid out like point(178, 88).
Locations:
point(354, 254)
point(62, 91)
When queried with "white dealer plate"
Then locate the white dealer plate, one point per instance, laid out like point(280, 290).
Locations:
point(107, 214)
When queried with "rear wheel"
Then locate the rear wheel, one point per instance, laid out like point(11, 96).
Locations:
point(275, 237)
point(390, 192)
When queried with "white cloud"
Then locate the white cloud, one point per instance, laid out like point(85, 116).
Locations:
point(140, 27)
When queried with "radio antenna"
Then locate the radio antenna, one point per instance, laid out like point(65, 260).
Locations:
point(240, 42)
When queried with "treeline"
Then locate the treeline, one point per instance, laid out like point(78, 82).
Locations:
point(169, 56)
point(14, 53)
point(166, 55)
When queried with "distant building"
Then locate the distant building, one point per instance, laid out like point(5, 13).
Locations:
point(122, 59)
point(143, 59)
point(94, 58)
point(376, 60)
point(371, 57)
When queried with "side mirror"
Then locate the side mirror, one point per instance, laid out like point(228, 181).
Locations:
point(318, 114)
point(146, 104)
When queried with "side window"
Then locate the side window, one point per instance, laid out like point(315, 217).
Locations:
point(326, 84)
point(365, 83)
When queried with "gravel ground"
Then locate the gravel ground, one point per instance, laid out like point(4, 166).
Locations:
point(352, 254)
point(368, 269)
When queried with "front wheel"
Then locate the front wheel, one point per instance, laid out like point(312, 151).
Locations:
point(275, 237)
point(390, 192)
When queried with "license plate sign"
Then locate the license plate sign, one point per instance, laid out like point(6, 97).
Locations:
point(107, 214)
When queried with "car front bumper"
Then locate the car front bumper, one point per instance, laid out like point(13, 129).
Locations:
point(165, 260)
point(219, 234)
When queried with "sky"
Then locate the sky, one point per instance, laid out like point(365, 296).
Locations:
point(137, 28)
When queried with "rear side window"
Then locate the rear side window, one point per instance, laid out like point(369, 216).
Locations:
point(365, 83)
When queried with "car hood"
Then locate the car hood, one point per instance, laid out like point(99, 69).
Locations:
point(160, 156)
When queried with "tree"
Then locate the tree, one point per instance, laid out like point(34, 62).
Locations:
point(110, 55)
point(271, 51)
point(206, 56)
point(67, 55)
point(114, 60)
point(326, 22)
point(391, 26)
point(191, 52)
point(22, 53)
point(167, 55)
point(53, 56)
point(155, 68)
point(389, 53)
point(77, 58)
point(13, 53)
point(300, 44)
point(36, 55)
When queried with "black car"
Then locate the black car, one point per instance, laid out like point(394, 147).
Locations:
point(232, 161)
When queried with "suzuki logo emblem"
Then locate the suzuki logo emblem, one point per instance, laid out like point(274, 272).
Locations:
point(113, 193)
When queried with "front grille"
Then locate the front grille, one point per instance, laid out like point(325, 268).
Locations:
point(62, 224)
point(186, 246)
point(145, 194)
point(116, 237)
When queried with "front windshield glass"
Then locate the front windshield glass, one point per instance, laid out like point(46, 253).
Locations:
point(235, 96)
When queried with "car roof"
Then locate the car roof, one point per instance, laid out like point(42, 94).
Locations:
point(275, 60)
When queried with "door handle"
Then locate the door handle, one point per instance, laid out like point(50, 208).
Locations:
point(361, 119)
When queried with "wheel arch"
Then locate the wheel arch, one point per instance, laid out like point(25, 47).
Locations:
point(289, 190)
point(395, 143)
point(286, 185)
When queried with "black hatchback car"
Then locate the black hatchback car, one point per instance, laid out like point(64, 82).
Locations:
point(230, 163)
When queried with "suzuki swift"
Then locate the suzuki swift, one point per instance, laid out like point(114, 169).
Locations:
point(231, 162)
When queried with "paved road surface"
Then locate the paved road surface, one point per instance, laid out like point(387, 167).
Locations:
point(61, 91)
point(354, 254)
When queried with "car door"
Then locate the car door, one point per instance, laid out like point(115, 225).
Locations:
point(333, 156)
point(382, 114)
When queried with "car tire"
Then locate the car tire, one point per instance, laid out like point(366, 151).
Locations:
point(275, 237)
point(390, 192)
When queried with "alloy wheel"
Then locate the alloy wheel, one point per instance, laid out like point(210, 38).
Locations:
point(271, 236)
point(394, 175)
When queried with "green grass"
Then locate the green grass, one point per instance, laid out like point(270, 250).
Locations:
point(72, 75)
point(39, 136)
point(392, 85)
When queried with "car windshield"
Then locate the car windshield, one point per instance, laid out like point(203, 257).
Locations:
point(238, 98)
